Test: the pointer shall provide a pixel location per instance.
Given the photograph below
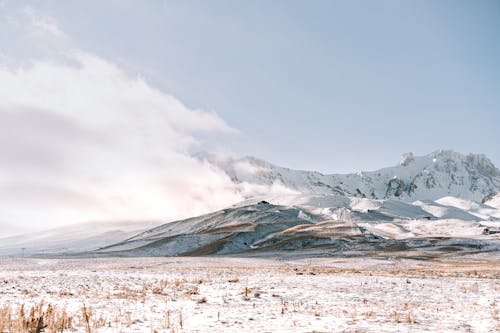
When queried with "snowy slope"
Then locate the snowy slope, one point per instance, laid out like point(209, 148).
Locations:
point(482, 211)
point(281, 222)
point(329, 222)
point(73, 238)
point(429, 177)
point(443, 211)
point(7, 230)
point(494, 202)
point(443, 194)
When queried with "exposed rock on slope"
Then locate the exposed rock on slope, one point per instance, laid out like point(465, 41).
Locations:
point(443, 200)
point(262, 227)
point(429, 177)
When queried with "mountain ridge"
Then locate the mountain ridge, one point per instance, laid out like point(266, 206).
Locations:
point(316, 224)
point(429, 177)
point(427, 203)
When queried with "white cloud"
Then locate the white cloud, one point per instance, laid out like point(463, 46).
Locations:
point(42, 25)
point(83, 141)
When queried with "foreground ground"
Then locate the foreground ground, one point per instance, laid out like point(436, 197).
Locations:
point(249, 295)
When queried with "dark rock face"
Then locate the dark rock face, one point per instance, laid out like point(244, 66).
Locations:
point(396, 187)
point(484, 175)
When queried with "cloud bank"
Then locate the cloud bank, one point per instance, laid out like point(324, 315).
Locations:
point(82, 140)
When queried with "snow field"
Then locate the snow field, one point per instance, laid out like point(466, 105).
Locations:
point(255, 295)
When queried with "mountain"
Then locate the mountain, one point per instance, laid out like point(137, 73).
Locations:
point(430, 177)
point(69, 239)
point(9, 230)
point(318, 225)
point(425, 206)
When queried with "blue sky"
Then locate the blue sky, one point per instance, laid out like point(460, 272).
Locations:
point(334, 86)
point(102, 103)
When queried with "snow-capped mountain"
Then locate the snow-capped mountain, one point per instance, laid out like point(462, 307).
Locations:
point(434, 202)
point(323, 224)
point(430, 177)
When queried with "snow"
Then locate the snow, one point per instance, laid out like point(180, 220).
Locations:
point(480, 210)
point(443, 186)
point(451, 228)
point(494, 202)
point(304, 252)
point(73, 238)
point(458, 203)
point(446, 228)
point(364, 205)
point(331, 225)
point(259, 295)
point(430, 177)
point(286, 223)
point(446, 212)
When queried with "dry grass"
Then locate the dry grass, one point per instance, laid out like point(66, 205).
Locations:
point(39, 318)
point(246, 294)
point(436, 269)
point(202, 300)
point(169, 300)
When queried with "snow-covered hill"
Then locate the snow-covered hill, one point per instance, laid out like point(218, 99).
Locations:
point(70, 239)
point(443, 199)
point(430, 177)
point(328, 224)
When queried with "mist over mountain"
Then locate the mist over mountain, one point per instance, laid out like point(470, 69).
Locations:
point(425, 203)
point(430, 177)
point(423, 207)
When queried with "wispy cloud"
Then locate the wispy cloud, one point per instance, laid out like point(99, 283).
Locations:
point(42, 25)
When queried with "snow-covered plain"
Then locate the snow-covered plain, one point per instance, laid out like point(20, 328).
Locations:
point(256, 295)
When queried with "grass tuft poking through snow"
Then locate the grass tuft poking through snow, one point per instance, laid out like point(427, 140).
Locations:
point(248, 295)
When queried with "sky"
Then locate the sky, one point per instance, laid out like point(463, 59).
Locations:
point(332, 86)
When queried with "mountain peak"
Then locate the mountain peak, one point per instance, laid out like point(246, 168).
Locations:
point(446, 153)
point(406, 159)
point(429, 177)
